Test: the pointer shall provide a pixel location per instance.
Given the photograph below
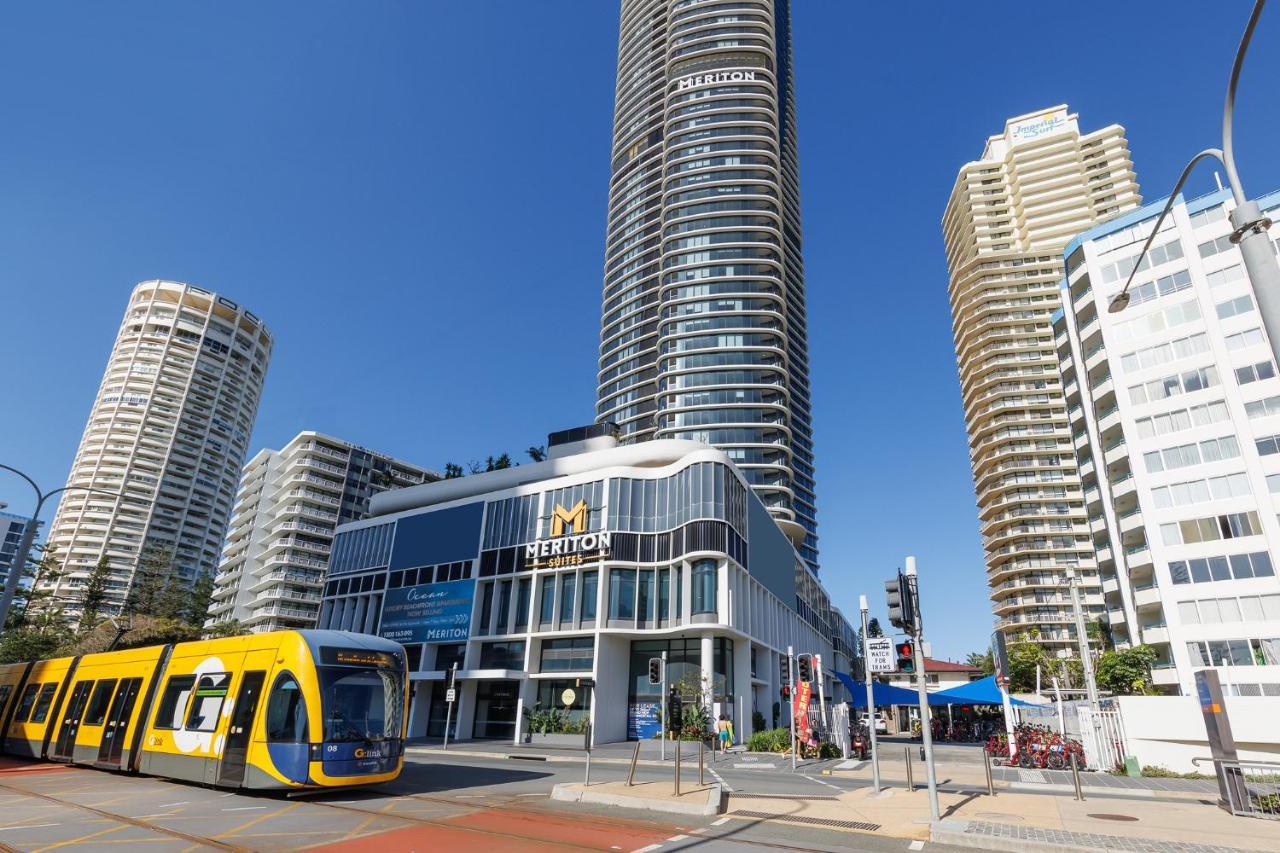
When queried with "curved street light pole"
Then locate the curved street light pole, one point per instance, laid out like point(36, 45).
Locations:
point(1246, 218)
point(29, 538)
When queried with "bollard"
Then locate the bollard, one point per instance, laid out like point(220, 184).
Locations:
point(911, 785)
point(986, 765)
point(1075, 777)
point(702, 779)
point(631, 775)
point(678, 751)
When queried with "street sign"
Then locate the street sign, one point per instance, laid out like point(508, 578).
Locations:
point(880, 654)
point(450, 695)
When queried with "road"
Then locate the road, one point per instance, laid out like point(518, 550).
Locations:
point(440, 803)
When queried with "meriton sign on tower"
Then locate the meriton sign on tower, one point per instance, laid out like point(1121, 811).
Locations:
point(715, 77)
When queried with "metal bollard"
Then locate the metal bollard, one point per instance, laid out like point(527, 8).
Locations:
point(678, 751)
point(702, 746)
point(911, 785)
point(1075, 777)
point(986, 765)
point(631, 775)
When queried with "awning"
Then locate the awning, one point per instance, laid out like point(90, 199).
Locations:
point(882, 694)
point(981, 692)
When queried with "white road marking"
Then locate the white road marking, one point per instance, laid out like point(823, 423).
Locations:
point(678, 838)
point(820, 782)
point(162, 814)
point(916, 845)
point(720, 779)
point(648, 849)
point(530, 795)
point(171, 805)
point(28, 826)
point(721, 822)
point(245, 809)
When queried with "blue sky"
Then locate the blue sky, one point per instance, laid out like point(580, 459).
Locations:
point(412, 196)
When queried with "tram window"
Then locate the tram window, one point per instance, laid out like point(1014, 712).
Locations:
point(99, 702)
point(210, 693)
point(5, 690)
point(24, 704)
point(174, 701)
point(286, 712)
point(43, 702)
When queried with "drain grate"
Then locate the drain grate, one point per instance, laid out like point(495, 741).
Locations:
point(811, 821)
point(737, 795)
point(1118, 817)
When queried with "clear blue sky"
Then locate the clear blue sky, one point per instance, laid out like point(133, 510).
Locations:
point(412, 195)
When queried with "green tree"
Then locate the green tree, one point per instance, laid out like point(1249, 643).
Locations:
point(537, 452)
point(873, 628)
point(34, 598)
point(498, 463)
point(452, 471)
point(229, 628)
point(157, 590)
point(983, 660)
point(34, 642)
point(1126, 672)
point(199, 599)
point(95, 593)
point(1025, 654)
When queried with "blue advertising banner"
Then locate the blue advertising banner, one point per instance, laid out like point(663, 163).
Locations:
point(642, 720)
point(428, 613)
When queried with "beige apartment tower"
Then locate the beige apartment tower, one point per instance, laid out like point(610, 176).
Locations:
point(1038, 184)
point(167, 434)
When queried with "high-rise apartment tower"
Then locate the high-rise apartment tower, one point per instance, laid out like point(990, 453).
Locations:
point(290, 500)
point(1038, 184)
point(167, 434)
point(704, 331)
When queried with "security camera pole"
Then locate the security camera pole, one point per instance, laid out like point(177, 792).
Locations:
point(904, 612)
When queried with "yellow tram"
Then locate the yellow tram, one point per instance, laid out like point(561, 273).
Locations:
point(288, 709)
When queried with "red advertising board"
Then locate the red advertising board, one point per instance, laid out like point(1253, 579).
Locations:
point(800, 710)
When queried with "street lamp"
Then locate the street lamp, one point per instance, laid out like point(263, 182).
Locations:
point(29, 536)
point(1250, 225)
point(1082, 639)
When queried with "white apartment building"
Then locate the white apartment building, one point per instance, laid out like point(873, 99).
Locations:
point(1037, 185)
point(167, 434)
point(290, 500)
point(1175, 415)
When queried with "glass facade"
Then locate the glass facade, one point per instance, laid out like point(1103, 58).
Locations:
point(702, 490)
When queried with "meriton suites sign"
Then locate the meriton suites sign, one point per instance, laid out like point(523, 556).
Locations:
point(714, 77)
point(571, 549)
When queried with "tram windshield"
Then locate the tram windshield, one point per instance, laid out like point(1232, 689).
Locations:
point(361, 704)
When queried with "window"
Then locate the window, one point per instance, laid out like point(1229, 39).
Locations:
point(704, 586)
point(646, 595)
point(1254, 372)
point(567, 583)
point(1233, 307)
point(504, 608)
point(509, 655)
point(522, 603)
point(547, 599)
point(486, 605)
point(174, 702)
point(43, 701)
point(286, 720)
point(1209, 214)
point(1263, 408)
point(26, 702)
point(99, 702)
point(589, 587)
point(1180, 280)
point(567, 654)
point(211, 690)
point(1210, 569)
point(1172, 386)
point(1233, 273)
point(1247, 338)
point(1229, 526)
point(664, 594)
point(1214, 247)
point(622, 593)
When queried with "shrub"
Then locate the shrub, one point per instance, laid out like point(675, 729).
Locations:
point(757, 721)
point(770, 740)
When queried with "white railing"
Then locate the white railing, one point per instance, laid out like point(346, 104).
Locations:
point(1102, 734)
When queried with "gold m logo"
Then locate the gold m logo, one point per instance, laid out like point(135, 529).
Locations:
point(576, 518)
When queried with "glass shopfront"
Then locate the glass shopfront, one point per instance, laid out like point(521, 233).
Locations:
point(684, 672)
point(496, 710)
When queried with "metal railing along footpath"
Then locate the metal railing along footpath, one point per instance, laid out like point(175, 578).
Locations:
point(1252, 788)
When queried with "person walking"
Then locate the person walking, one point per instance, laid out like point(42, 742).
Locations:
point(724, 731)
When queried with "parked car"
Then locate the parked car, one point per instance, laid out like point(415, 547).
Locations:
point(882, 727)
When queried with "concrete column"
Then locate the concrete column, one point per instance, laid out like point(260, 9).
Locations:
point(419, 708)
point(708, 668)
point(371, 613)
point(743, 694)
point(357, 618)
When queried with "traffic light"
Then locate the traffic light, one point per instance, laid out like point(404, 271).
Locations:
point(900, 597)
point(804, 668)
point(655, 670)
point(675, 714)
point(786, 691)
point(906, 652)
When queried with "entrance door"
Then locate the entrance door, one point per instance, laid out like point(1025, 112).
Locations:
point(495, 714)
point(231, 769)
point(114, 730)
point(63, 746)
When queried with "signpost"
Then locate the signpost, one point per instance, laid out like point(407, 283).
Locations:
point(879, 650)
point(450, 695)
point(914, 625)
point(1000, 660)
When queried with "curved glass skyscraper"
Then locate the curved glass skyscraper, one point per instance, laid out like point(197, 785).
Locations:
point(704, 326)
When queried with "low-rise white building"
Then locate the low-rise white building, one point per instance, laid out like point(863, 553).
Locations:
point(1174, 405)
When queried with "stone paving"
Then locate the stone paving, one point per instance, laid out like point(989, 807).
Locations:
point(1088, 840)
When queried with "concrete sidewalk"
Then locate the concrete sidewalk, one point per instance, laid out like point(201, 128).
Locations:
point(615, 753)
point(1012, 821)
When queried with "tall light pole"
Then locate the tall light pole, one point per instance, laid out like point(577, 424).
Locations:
point(1082, 638)
point(871, 701)
point(1247, 219)
point(29, 537)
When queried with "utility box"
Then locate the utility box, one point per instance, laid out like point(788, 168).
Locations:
point(1131, 767)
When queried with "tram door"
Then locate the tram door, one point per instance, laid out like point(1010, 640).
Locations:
point(65, 744)
point(234, 753)
point(114, 727)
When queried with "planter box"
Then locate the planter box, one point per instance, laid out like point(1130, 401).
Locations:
point(563, 740)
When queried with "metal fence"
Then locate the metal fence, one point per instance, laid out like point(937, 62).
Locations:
point(1249, 788)
point(1103, 738)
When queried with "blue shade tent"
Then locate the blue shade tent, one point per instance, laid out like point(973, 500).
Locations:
point(882, 694)
point(981, 692)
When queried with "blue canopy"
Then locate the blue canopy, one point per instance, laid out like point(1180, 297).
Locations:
point(981, 692)
point(881, 694)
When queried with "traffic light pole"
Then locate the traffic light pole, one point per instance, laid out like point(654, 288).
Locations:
point(791, 712)
point(871, 702)
point(926, 730)
point(662, 717)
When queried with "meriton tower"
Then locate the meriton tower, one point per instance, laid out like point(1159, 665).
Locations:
point(704, 330)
